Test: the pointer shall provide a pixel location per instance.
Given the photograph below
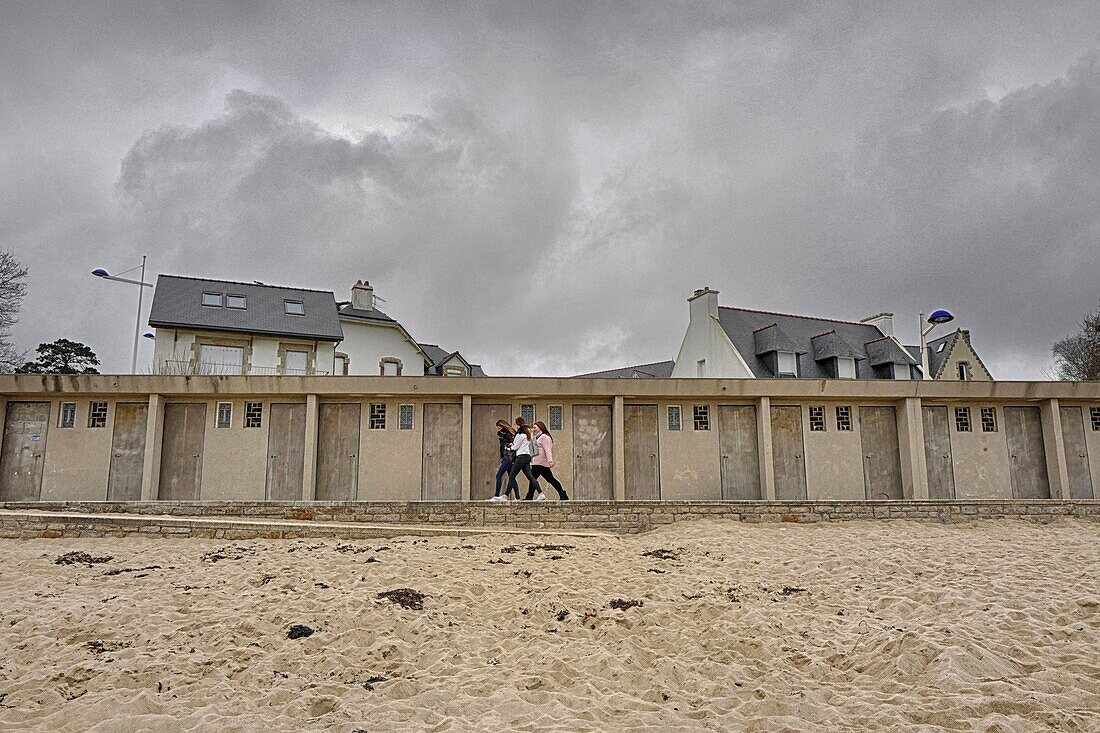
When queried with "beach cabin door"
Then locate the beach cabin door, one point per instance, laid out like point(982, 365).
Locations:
point(739, 450)
point(643, 464)
point(937, 453)
point(442, 452)
point(127, 451)
point(1077, 456)
point(1026, 453)
point(485, 449)
point(24, 450)
point(338, 450)
point(286, 443)
point(788, 453)
point(592, 452)
point(181, 451)
point(878, 428)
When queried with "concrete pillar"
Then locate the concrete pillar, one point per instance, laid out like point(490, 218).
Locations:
point(467, 445)
point(618, 423)
point(764, 433)
point(914, 462)
point(1057, 468)
point(154, 441)
point(309, 451)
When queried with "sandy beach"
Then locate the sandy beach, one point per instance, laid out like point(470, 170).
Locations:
point(990, 626)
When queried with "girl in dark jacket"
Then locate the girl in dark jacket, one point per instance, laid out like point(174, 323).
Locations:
point(505, 434)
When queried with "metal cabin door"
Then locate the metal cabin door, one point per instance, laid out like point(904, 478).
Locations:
point(739, 451)
point(127, 451)
point(878, 431)
point(1077, 455)
point(485, 448)
point(24, 451)
point(1026, 453)
point(286, 444)
point(442, 452)
point(937, 453)
point(592, 444)
point(788, 453)
point(338, 450)
point(643, 463)
point(181, 451)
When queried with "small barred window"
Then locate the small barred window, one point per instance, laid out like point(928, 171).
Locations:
point(405, 417)
point(97, 415)
point(225, 415)
point(556, 418)
point(1094, 414)
point(377, 416)
point(962, 419)
point(989, 419)
point(701, 417)
point(527, 412)
point(674, 418)
point(253, 414)
point(67, 418)
point(844, 418)
point(817, 419)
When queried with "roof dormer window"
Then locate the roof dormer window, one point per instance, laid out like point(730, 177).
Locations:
point(787, 364)
point(845, 367)
point(236, 302)
point(212, 300)
point(294, 307)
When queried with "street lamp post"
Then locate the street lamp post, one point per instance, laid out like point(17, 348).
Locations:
point(937, 317)
point(101, 273)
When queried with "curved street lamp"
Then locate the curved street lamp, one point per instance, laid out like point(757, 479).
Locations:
point(103, 274)
point(938, 316)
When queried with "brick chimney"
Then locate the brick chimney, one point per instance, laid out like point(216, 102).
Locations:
point(884, 322)
point(362, 296)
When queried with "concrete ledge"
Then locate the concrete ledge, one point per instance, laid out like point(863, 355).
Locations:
point(387, 519)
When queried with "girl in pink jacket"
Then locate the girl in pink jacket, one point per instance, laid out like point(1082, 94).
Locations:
point(543, 462)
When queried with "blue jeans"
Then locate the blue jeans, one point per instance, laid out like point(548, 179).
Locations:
point(505, 467)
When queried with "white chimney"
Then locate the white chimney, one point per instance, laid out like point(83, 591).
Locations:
point(703, 304)
point(362, 296)
point(884, 322)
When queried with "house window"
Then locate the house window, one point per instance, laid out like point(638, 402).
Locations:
point(901, 371)
point(67, 417)
point(701, 417)
point(295, 362)
point(1094, 415)
point(340, 365)
point(377, 416)
point(215, 359)
point(97, 415)
point(556, 418)
point(212, 300)
point(989, 419)
point(817, 419)
point(225, 415)
point(527, 412)
point(454, 371)
point(674, 418)
point(701, 368)
point(294, 307)
point(253, 414)
point(964, 371)
point(845, 367)
point(236, 302)
point(404, 417)
point(844, 418)
point(389, 366)
point(787, 363)
point(962, 419)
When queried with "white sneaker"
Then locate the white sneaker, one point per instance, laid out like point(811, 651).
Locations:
point(497, 498)
point(540, 497)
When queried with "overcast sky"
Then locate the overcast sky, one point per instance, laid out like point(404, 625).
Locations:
point(542, 185)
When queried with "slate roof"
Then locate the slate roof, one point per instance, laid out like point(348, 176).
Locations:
point(773, 338)
point(657, 369)
point(375, 315)
point(177, 303)
point(741, 325)
point(937, 355)
point(886, 350)
point(437, 356)
point(830, 345)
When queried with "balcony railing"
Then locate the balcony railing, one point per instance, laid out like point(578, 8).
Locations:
point(191, 368)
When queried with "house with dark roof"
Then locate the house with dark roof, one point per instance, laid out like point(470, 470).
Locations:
point(745, 343)
point(207, 326)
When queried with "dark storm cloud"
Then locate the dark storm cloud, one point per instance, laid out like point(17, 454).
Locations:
point(543, 185)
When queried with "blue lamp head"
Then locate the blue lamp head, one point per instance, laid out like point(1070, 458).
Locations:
point(100, 272)
point(148, 335)
point(940, 316)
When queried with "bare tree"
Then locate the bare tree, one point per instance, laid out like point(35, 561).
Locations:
point(13, 287)
point(1077, 357)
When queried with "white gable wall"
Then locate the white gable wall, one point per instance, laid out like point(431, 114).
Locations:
point(366, 344)
point(706, 340)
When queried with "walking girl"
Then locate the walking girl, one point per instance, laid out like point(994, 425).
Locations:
point(505, 434)
point(542, 463)
point(521, 448)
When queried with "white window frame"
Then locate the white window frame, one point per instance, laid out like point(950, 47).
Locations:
point(962, 369)
point(678, 411)
point(902, 371)
point(701, 368)
point(300, 371)
point(403, 411)
point(287, 303)
point(528, 409)
point(555, 421)
point(848, 361)
point(219, 296)
point(229, 302)
point(791, 360)
point(218, 416)
point(69, 407)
